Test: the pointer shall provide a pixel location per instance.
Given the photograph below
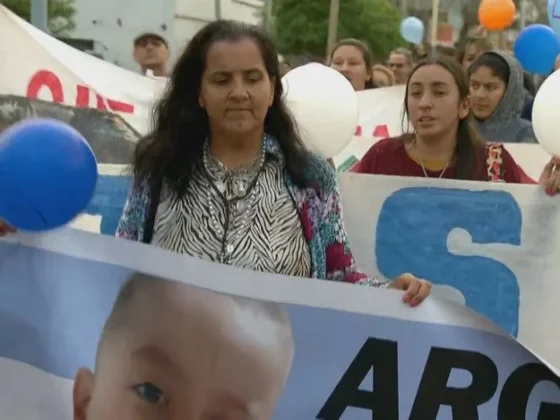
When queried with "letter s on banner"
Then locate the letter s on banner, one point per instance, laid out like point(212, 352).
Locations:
point(412, 232)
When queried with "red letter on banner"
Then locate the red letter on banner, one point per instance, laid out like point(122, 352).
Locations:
point(45, 78)
point(101, 103)
point(49, 80)
point(120, 106)
point(82, 96)
point(381, 131)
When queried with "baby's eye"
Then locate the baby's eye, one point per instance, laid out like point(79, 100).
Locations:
point(149, 393)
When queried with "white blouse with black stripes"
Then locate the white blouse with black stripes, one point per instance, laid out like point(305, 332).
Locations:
point(261, 231)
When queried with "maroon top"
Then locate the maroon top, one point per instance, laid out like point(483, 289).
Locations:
point(389, 157)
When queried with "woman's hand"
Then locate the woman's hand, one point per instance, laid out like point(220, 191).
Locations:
point(550, 177)
point(5, 229)
point(416, 289)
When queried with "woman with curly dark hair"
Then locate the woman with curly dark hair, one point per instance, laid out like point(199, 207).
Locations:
point(224, 175)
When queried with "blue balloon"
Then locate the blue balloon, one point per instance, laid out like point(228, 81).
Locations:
point(412, 29)
point(48, 174)
point(553, 10)
point(536, 48)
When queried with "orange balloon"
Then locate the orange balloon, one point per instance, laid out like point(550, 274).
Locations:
point(496, 15)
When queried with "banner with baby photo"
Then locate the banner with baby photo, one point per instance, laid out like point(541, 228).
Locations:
point(95, 327)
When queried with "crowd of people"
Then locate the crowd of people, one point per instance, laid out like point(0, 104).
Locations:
point(223, 175)
point(459, 109)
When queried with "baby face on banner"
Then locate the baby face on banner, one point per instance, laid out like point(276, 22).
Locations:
point(172, 351)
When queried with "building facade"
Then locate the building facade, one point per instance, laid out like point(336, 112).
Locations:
point(113, 25)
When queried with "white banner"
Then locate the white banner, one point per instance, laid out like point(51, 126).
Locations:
point(43, 77)
point(492, 247)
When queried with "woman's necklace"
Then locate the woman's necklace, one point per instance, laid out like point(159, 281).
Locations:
point(238, 178)
point(422, 162)
point(234, 185)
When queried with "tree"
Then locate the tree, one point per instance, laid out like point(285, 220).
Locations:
point(60, 14)
point(301, 26)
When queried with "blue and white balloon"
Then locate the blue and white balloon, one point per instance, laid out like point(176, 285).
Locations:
point(412, 30)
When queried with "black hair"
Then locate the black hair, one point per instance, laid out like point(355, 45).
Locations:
point(468, 139)
point(367, 55)
point(494, 62)
point(174, 146)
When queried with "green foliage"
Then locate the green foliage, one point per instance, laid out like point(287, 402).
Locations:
point(301, 26)
point(61, 14)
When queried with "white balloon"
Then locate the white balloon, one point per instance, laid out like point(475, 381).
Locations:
point(546, 110)
point(324, 105)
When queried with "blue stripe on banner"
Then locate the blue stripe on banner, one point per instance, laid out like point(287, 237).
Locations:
point(109, 200)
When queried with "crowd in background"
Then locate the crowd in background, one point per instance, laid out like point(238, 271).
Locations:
point(461, 106)
point(224, 174)
point(499, 94)
point(353, 58)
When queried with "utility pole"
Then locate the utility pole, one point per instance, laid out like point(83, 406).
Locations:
point(434, 26)
point(522, 14)
point(333, 25)
point(218, 9)
point(39, 14)
point(404, 8)
point(267, 15)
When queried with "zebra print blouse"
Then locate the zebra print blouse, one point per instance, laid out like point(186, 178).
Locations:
point(262, 231)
